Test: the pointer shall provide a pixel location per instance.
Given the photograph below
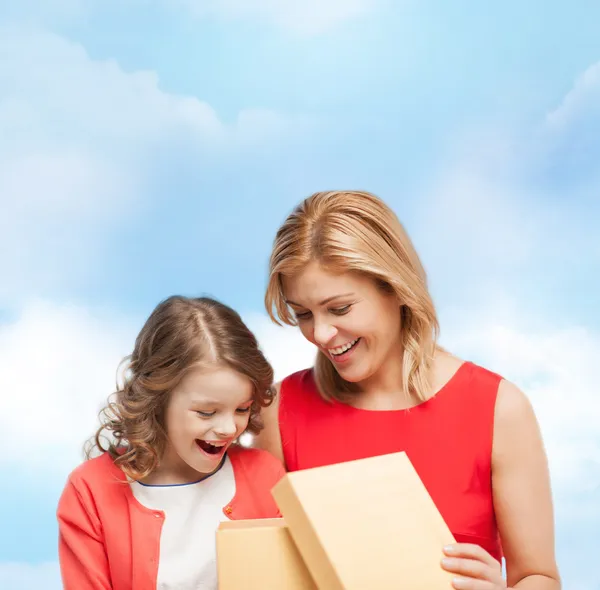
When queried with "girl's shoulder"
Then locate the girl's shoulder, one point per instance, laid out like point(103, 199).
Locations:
point(94, 483)
point(95, 470)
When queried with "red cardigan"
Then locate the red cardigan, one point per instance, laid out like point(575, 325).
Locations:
point(109, 541)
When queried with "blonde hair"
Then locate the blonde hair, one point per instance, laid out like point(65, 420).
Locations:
point(181, 334)
point(355, 231)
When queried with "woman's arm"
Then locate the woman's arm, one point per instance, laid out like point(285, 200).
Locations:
point(523, 506)
point(82, 555)
point(269, 438)
point(522, 494)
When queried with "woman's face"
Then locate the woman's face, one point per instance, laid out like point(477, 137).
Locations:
point(350, 318)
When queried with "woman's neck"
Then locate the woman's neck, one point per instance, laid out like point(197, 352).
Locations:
point(384, 389)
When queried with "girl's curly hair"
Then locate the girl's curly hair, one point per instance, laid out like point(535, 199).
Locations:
point(180, 334)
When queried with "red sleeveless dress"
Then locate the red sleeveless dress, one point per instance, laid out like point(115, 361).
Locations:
point(448, 439)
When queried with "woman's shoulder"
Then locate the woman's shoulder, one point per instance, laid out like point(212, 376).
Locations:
point(451, 369)
point(299, 379)
point(467, 388)
point(251, 456)
point(259, 461)
point(485, 387)
point(509, 403)
point(297, 390)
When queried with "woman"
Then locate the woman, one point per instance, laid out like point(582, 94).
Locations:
point(344, 270)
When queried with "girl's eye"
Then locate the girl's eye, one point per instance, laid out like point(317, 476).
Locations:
point(341, 310)
point(243, 410)
point(205, 414)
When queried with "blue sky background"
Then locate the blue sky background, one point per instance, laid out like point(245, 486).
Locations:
point(153, 146)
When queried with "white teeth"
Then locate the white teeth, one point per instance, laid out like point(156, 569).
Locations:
point(343, 348)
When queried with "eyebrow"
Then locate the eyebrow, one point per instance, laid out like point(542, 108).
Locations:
point(325, 301)
point(215, 402)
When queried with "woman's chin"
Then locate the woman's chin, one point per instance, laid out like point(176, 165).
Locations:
point(351, 374)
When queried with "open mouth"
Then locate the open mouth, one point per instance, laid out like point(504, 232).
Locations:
point(211, 448)
point(343, 351)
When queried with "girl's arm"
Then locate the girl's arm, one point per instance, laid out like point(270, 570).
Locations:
point(82, 555)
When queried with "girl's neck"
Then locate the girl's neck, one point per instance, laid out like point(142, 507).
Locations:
point(172, 470)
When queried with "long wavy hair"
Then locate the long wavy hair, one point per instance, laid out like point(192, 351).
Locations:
point(180, 334)
point(356, 231)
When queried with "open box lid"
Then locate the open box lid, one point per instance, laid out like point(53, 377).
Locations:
point(366, 524)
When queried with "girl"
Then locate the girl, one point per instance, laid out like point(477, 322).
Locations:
point(344, 270)
point(143, 514)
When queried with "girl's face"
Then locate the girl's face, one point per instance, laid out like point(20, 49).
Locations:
point(207, 411)
point(349, 318)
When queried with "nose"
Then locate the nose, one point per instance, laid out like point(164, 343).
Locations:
point(323, 332)
point(226, 426)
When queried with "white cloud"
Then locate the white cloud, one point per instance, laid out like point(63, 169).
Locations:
point(583, 99)
point(77, 139)
point(56, 82)
point(55, 91)
point(300, 16)
point(58, 365)
point(27, 576)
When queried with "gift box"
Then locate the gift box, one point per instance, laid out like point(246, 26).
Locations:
point(360, 525)
point(366, 524)
point(259, 555)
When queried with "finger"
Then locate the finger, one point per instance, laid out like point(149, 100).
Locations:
point(471, 551)
point(470, 568)
point(473, 584)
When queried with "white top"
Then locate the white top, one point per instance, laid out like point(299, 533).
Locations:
point(192, 514)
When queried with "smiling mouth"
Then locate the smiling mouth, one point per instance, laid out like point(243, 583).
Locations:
point(343, 350)
point(210, 448)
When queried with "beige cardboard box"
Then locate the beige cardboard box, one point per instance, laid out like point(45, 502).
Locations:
point(259, 555)
point(366, 525)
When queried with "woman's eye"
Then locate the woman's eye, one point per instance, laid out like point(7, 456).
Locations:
point(243, 410)
point(205, 414)
point(303, 316)
point(341, 310)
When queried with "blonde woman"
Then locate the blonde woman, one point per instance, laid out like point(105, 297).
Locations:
point(344, 270)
